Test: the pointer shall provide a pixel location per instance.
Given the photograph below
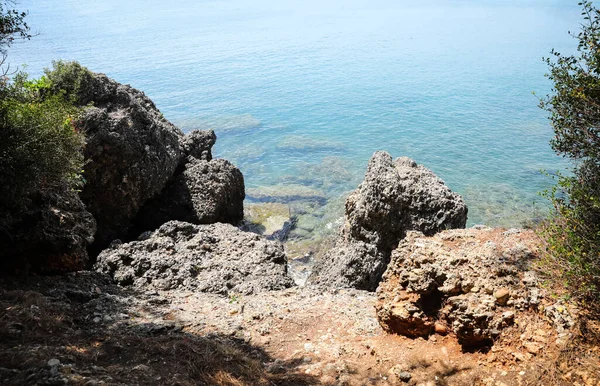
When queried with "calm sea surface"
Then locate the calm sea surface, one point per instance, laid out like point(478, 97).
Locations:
point(301, 93)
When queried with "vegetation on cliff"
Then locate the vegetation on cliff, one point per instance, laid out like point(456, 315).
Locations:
point(41, 162)
point(573, 234)
point(40, 146)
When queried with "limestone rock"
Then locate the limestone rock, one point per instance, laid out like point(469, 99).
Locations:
point(395, 197)
point(131, 153)
point(198, 144)
point(447, 279)
point(216, 258)
point(205, 192)
point(398, 196)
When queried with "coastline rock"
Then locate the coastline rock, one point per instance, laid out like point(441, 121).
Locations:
point(131, 153)
point(395, 197)
point(398, 196)
point(198, 144)
point(455, 279)
point(205, 192)
point(216, 258)
point(49, 237)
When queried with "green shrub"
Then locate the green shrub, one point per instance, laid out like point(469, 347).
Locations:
point(74, 80)
point(573, 233)
point(40, 146)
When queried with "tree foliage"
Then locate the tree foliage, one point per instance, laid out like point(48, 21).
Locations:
point(40, 146)
point(12, 25)
point(573, 234)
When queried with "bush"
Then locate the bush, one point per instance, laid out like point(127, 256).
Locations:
point(73, 80)
point(573, 234)
point(40, 146)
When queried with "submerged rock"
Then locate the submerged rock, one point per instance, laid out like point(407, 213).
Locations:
point(474, 281)
point(216, 258)
point(272, 220)
point(286, 194)
point(51, 236)
point(395, 197)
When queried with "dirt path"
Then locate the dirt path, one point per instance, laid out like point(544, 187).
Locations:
point(81, 329)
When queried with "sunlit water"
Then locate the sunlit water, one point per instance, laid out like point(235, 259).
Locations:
point(301, 93)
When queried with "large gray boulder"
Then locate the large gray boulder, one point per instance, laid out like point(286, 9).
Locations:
point(472, 282)
point(395, 197)
point(216, 258)
point(205, 192)
point(131, 153)
point(49, 236)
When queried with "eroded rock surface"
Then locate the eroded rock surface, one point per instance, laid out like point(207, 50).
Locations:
point(205, 192)
point(216, 258)
point(131, 153)
point(395, 197)
point(198, 144)
point(471, 282)
point(51, 236)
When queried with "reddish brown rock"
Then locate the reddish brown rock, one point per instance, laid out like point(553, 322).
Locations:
point(430, 281)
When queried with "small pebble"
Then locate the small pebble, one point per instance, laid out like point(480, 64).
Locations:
point(405, 376)
point(53, 362)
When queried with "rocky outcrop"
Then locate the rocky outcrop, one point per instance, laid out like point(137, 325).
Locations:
point(198, 144)
point(395, 197)
point(50, 236)
point(398, 196)
point(205, 192)
point(216, 258)
point(136, 159)
point(131, 153)
point(470, 282)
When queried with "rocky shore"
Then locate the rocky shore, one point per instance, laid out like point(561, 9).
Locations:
point(186, 286)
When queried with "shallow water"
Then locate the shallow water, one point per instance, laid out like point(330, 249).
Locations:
point(301, 93)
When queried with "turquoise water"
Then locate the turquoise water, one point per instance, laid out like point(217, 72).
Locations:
point(301, 93)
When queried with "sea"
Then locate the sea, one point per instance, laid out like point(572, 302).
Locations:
point(302, 93)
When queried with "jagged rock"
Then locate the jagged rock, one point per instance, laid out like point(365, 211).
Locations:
point(217, 258)
point(205, 192)
point(453, 278)
point(349, 264)
point(131, 153)
point(50, 236)
point(395, 197)
point(398, 196)
point(198, 144)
